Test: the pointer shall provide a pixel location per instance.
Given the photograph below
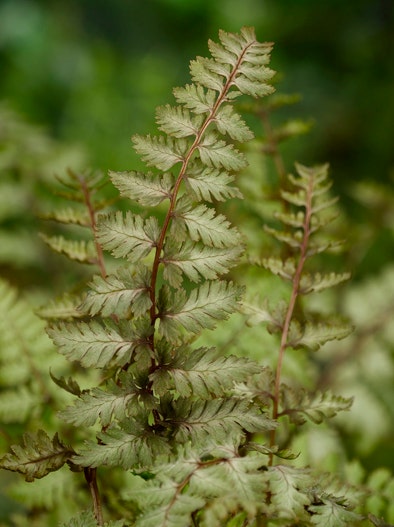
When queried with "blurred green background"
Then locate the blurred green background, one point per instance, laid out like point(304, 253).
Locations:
point(93, 71)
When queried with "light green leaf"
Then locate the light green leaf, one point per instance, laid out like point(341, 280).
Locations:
point(69, 215)
point(209, 183)
point(288, 490)
point(312, 283)
point(177, 121)
point(83, 519)
point(203, 224)
point(202, 73)
point(219, 154)
point(217, 419)
point(197, 261)
point(314, 334)
point(206, 305)
point(94, 344)
point(300, 405)
point(120, 294)
point(79, 250)
point(147, 189)
point(138, 446)
point(99, 404)
point(332, 513)
point(285, 269)
point(196, 98)
point(128, 235)
point(162, 152)
point(202, 373)
point(231, 123)
point(37, 456)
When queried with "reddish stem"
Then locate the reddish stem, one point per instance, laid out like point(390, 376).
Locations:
point(290, 310)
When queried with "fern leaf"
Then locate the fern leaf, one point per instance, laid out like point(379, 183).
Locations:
point(69, 216)
point(316, 407)
point(209, 73)
point(79, 250)
point(128, 235)
point(207, 184)
point(132, 448)
point(229, 122)
point(196, 261)
point(64, 308)
point(206, 305)
point(203, 224)
point(94, 344)
point(312, 283)
point(201, 373)
point(160, 151)
point(195, 98)
point(216, 153)
point(38, 455)
point(314, 334)
point(217, 419)
point(83, 519)
point(332, 512)
point(177, 121)
point(100, 404)
point(147, 189)
point(125, 292)
point(286, 486)
point(70, 385)
point(283, 268)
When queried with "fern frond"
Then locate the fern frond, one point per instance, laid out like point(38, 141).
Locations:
point(133, 447)
point(123, 293)
point(128, 235)
point(79, 250)
point(196, 261)
point(229, 122)
point(195, 98)
point(300, 405)
point(216, 153)
point(177, 121)
point(313, 283)
point(65, 307)
point(312, 335)
point(147, 189)
point(98, 345)
point(38, 455)
point(206, 305)
point(161, 152)
point(201, 373)
point(208, 184)
point(288, 488)
point(203, 224)
point(216, 419)
point(100, 404)
point(68, 216)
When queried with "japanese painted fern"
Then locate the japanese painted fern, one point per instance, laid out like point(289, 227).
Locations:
point(195, 431)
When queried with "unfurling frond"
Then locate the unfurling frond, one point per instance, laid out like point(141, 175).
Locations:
point(37, 456)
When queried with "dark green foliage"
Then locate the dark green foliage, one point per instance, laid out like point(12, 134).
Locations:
point(186, 434)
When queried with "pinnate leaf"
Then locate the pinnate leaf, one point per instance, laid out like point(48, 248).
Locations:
point(147, 189)
point(37, 456)
point(128, 235)
point(162, 152)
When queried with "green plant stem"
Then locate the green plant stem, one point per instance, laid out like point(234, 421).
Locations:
point(290, 310)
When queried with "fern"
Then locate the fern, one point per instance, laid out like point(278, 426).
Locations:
point(201, 437)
